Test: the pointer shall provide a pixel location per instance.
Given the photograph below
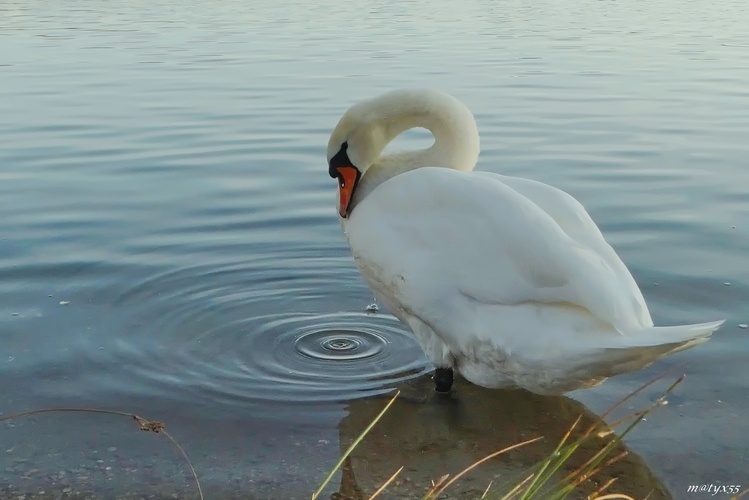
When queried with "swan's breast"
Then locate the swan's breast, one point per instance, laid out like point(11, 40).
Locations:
point(388, 286)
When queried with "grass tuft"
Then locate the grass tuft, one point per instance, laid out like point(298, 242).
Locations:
point(540, 482)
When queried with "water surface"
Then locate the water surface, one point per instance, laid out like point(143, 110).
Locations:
point(168, 239)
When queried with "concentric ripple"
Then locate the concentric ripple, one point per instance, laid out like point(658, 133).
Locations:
point(343, 344)
point(225, 333)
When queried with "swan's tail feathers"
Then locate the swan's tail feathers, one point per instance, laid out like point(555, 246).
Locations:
point(690, 335)
point(641, 348)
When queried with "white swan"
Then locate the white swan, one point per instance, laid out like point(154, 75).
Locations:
point(506, 280)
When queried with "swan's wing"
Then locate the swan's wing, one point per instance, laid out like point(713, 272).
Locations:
point(561, 206)
point(575, 221)
point(436, 241)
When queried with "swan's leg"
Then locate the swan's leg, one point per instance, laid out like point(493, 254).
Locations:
point(443, 380)
point(437, 352)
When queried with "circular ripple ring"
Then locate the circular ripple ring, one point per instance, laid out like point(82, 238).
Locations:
point(203, 333)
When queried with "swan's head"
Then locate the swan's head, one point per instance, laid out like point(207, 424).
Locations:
point(367, 128)
point(354, 145)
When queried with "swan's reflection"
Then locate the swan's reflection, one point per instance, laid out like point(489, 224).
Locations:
point(447, 434)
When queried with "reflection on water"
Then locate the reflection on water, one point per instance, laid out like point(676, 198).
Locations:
point(446, 435)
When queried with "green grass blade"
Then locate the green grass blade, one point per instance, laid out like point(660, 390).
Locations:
point(353, 446)
point(564, 487)
point(531, 487)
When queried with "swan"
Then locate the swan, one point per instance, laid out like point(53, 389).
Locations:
point(504, 280)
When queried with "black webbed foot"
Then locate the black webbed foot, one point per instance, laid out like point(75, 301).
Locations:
point(443, 380)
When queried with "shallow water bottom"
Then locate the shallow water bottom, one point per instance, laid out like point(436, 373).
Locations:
point(78, 455)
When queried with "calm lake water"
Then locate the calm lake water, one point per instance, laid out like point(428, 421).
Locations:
point(169, 243)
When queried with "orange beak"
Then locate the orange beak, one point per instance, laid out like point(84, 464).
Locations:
point(347, 179)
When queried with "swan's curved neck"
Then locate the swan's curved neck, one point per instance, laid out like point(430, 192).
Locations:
point(456, 138)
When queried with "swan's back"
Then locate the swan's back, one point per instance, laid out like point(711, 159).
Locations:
point(575, 221)
point(491, 242)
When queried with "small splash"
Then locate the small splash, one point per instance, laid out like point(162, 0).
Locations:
point(372, 308)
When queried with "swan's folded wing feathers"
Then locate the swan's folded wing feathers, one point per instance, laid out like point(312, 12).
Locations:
point(575, 221)
point(436, 233)
point(560, 205)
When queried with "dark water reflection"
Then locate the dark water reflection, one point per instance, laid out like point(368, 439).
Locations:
point(168, 240)
point(446, 435)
